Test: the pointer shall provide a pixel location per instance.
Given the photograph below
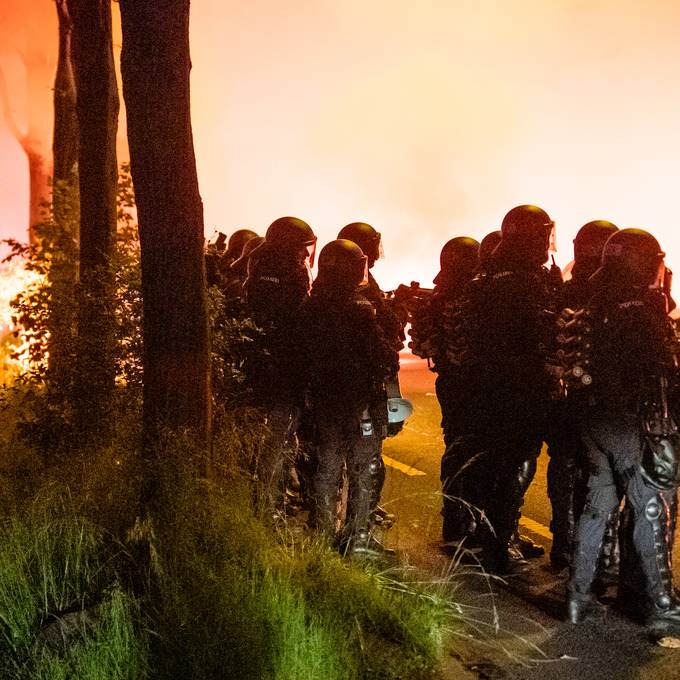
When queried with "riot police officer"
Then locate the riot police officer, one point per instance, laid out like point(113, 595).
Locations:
point(626, 425)
point(345, 361)
point(458, 263)
point(391, 316)
point(497, 338)
point(566, 483)
point(277, 284)
point(520, 546)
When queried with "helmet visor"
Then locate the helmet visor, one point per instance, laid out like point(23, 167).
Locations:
point(664, 276)
point(364, 280)
point(667, 280)
point(311, 252)
point(552, 236)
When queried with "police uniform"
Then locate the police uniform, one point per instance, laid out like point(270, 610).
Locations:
point(498, 336)
point(630, 360)
point(345, 359)
point(277, 283)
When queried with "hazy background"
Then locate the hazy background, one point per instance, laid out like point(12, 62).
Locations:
point(428, 122)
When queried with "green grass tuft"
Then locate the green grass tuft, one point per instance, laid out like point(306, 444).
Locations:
point(62, 610)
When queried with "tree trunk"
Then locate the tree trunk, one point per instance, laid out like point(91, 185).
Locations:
point(97, 110)
point(38, 178)
point(155, 68)
point(65, 211)
point(65, 138)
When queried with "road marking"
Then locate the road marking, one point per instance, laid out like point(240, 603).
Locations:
point(536, 527)
point(406, 469)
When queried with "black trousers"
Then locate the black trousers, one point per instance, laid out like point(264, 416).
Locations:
point(340, 443)
point(481, 473)
point(614, 446)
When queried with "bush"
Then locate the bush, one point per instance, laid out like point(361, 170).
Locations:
point(44, 318)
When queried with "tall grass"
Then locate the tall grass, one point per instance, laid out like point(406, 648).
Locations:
point(224, 593)
point(237, 594)
point(63, 612)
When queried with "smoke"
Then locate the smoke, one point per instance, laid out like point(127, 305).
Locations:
point(432, 120)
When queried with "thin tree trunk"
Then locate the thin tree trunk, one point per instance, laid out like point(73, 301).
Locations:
point(65, 138)
point(97, 110)
point(155, 68)
point(65, 211)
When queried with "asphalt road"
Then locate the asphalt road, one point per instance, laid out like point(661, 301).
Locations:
point(521, 633)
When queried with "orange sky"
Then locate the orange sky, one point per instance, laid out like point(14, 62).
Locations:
point(428, 122)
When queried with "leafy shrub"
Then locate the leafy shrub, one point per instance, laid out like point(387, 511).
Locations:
point(46, 390)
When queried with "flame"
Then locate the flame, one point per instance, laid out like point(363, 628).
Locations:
point(14, 358)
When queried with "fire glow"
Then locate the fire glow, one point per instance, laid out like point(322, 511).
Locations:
point(13, 279)
point(427, 122)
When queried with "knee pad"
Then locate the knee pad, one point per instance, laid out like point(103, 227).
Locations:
point(653, 509)
point(375, 465)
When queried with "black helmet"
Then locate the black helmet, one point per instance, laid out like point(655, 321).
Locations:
point(487, 246)
point(458, 261)
point(365, 236)
point(236, 242)
point(528, 230)
point(290, 235)
point(342, 264)
point(633, 256)
point(290, 232)
point(591, 238)
point(526, 221)
point(461, 251)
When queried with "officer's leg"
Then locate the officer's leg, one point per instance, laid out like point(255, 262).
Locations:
point(327, 475)
point(463, 479)
point(524, 546)
point(652, 530)
point(271, 463)
point(631, 590)
point(602, 500)
point(512, 462)
point(378, 429)
point(357, 531)
point(307, 457)
point(562, 471)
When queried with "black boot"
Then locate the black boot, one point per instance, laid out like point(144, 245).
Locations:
point(364, 545)
point(579, 607)
point(663, 615)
